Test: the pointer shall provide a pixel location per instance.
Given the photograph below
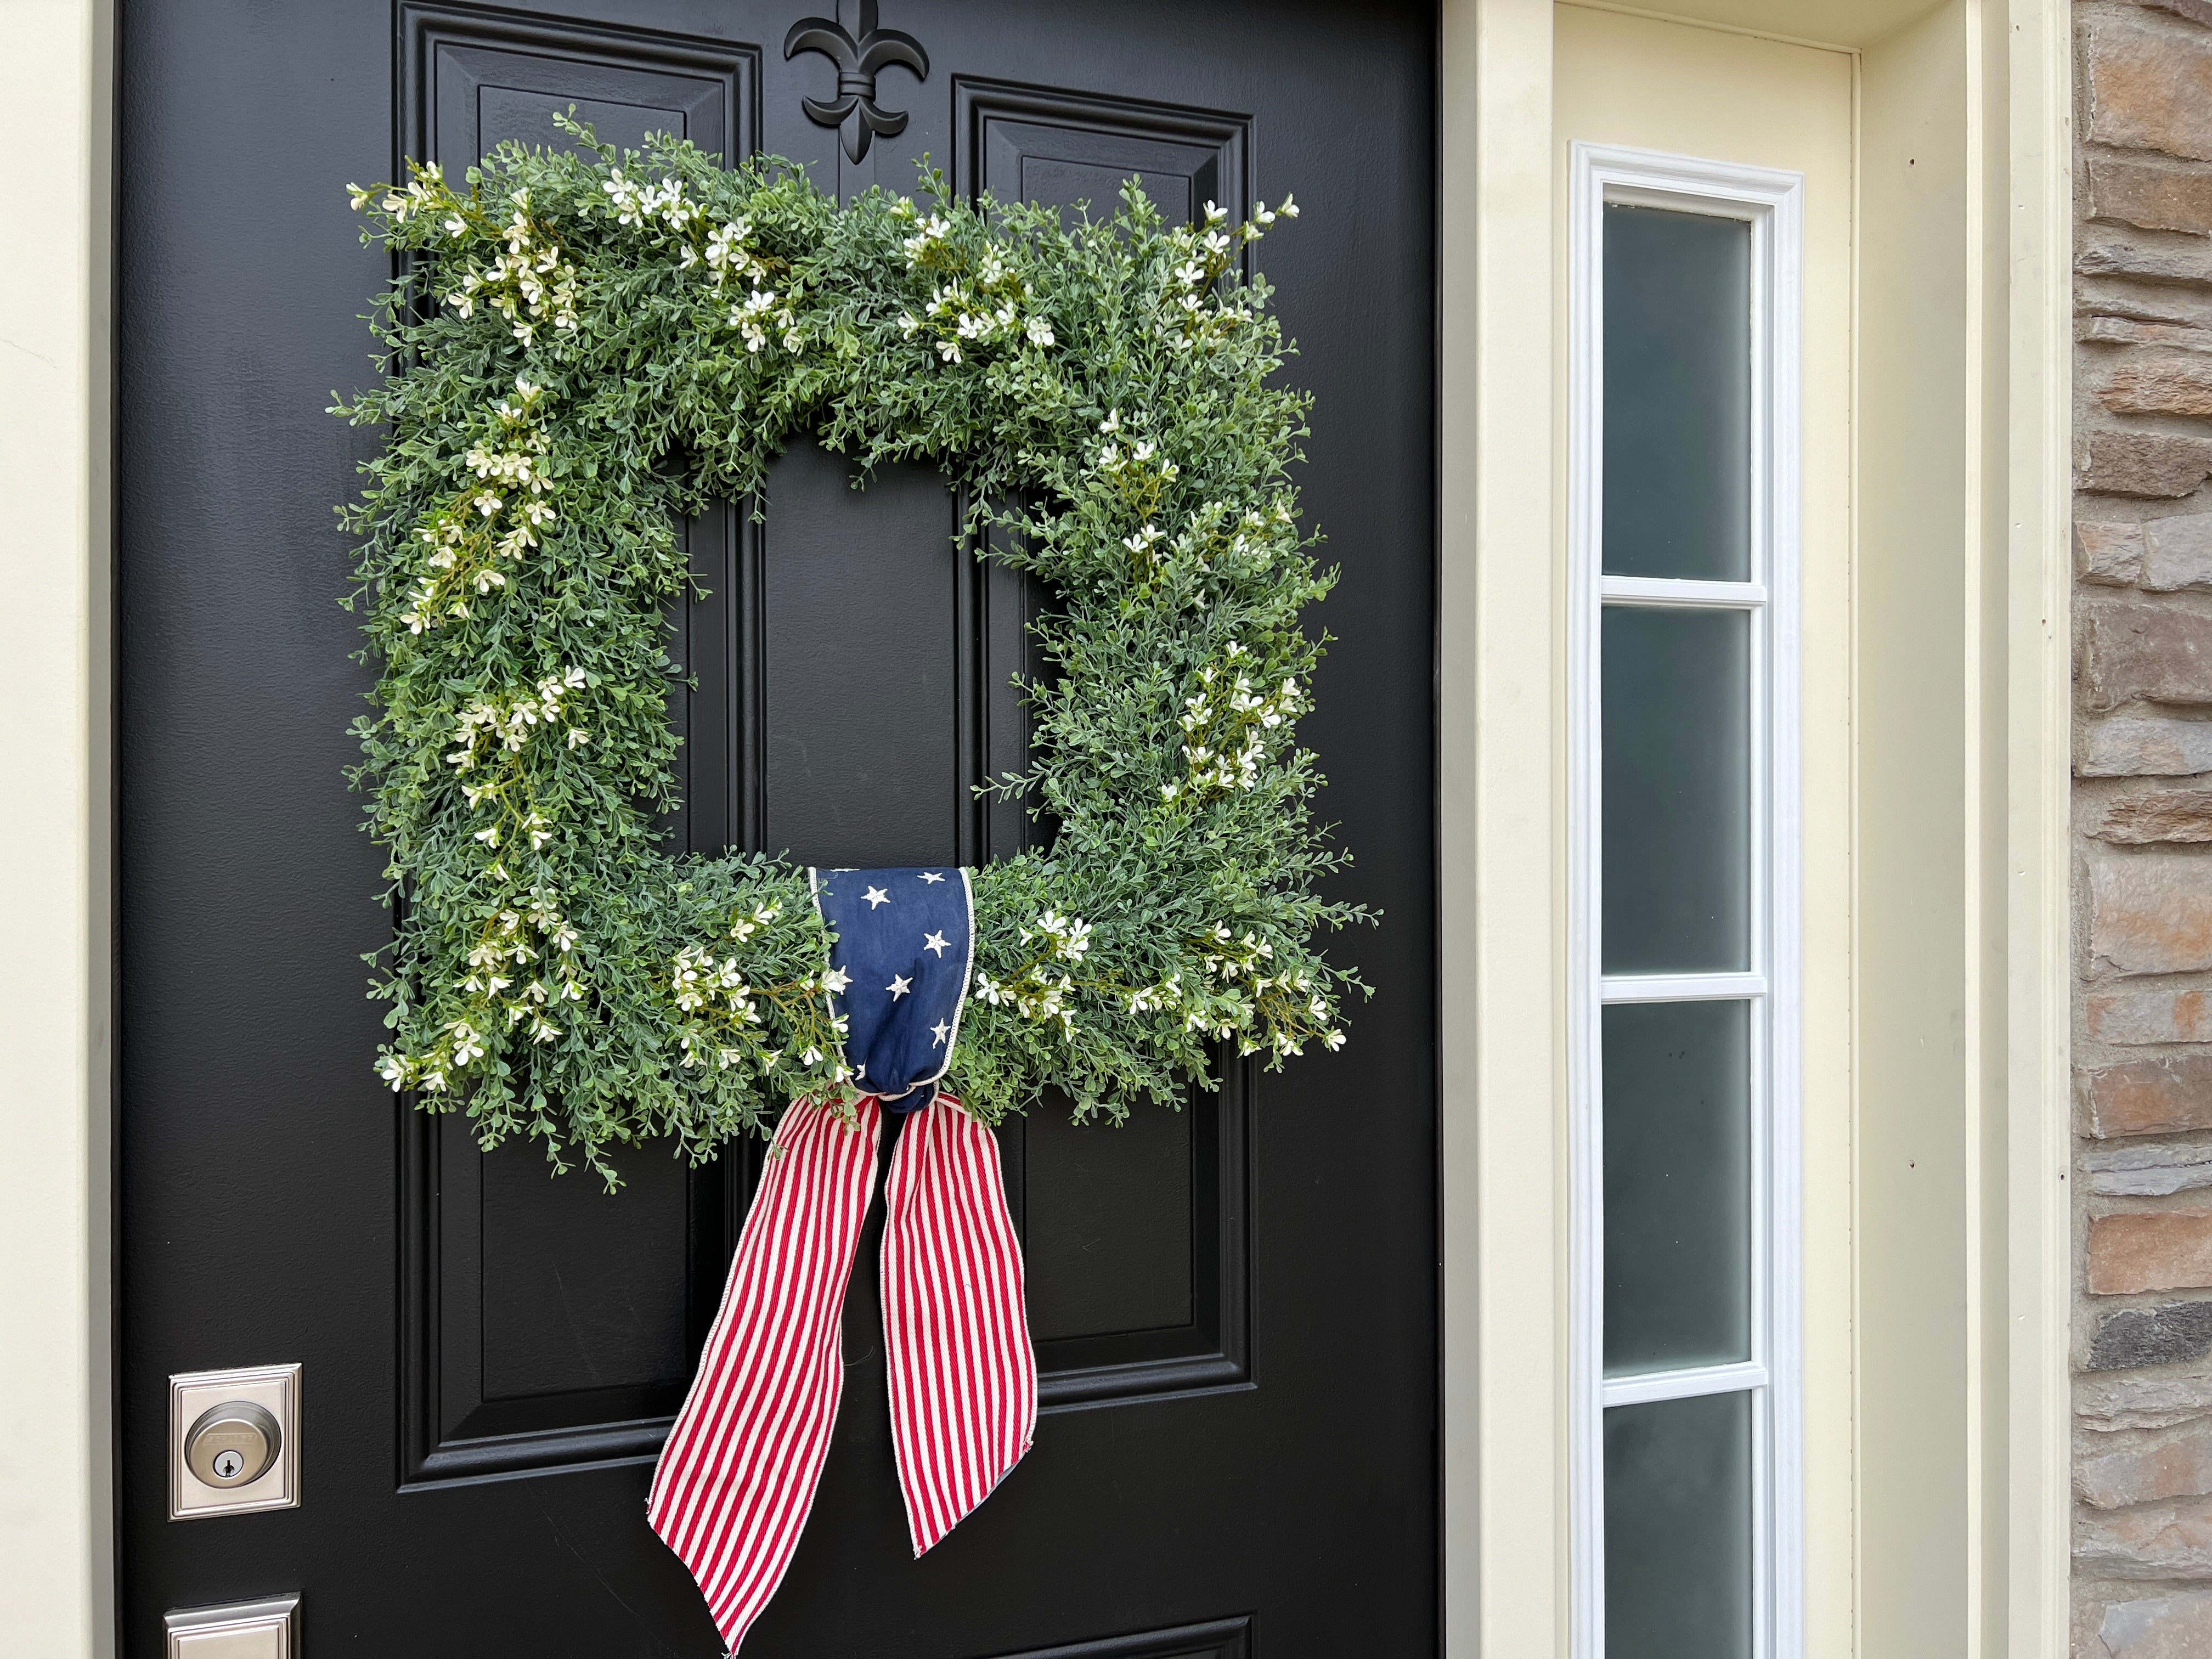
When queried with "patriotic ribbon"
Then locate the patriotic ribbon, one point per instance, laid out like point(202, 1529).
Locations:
point(737, 1478)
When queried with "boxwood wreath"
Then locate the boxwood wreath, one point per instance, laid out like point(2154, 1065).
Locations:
point(579, 347)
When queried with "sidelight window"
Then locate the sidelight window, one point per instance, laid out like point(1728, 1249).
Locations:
point(1684, 509)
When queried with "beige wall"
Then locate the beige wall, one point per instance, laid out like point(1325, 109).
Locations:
point(56, 1526)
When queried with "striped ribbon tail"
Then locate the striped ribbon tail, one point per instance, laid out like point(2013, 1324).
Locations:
point(735, 1481)
point(964, 1382)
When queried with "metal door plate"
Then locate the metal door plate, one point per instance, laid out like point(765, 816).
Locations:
point(244, 1630)
point(274, 1388)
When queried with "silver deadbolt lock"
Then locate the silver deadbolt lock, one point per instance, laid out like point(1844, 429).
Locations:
point(233, 1443)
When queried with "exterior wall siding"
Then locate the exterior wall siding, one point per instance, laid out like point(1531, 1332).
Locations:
point(2143, 829)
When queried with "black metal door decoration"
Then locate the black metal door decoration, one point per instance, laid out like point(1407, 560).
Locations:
point(854, 108)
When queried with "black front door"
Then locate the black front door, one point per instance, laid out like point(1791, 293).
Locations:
point(1235, 1306)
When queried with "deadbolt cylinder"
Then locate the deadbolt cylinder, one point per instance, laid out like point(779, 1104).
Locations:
point(232, 1445)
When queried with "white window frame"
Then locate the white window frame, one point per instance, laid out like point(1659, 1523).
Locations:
point(1772, 201)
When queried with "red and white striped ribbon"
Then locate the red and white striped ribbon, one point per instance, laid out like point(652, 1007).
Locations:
point(963, 1381)
point(737, 1476)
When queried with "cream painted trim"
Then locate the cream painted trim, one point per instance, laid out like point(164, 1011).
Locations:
point(56, 1525)
point(1501, 719)
point(2039, 103)
point(1779, 36)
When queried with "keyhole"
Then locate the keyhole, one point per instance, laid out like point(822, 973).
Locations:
point(227, 1464)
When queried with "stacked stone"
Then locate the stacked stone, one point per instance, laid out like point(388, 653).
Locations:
point(2142, 820)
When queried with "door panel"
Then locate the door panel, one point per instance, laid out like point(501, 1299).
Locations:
point(1237, 1355)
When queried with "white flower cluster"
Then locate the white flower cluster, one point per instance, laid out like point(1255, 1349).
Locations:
point(724, 252)
point(728, 253)
point(758, 313)
point(523, 965)
point(987, 306)
point(1237, 994)
point(1203, 252)
point(934, 231)
point(506, 724)
point(529, 285)
point(637, 202)
point(501, 517)
point(699, 982)
point(1225, 726)
point(426, 192)
point(954, 306)
point(728, 1016)
point(1070, 936)
point(1040, 991)
point(1123, 452)
point(1034, 993)
point(1247, 991)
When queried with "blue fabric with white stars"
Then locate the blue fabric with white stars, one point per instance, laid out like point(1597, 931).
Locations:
point(905, 940)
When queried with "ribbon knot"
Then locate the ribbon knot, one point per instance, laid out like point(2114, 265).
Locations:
point(737, 1476)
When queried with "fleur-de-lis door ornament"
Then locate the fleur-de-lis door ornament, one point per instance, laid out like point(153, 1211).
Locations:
point(854, 108)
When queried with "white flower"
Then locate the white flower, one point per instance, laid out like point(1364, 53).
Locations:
point(934, 229)
point(1040, 331)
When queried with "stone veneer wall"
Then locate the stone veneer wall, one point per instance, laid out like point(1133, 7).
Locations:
point(2142, 830)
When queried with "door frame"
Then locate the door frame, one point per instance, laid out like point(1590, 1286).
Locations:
point(1998, 71)
point(1984, 86)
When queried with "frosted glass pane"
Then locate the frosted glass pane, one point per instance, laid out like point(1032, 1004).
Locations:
point(1678, 1529)
point(1677, 373)
point(1677, 1185)
point(1676, 727)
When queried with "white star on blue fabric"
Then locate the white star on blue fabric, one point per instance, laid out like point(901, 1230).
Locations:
point(918, 938)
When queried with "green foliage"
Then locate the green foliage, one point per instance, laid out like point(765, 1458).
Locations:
point(581, 347)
